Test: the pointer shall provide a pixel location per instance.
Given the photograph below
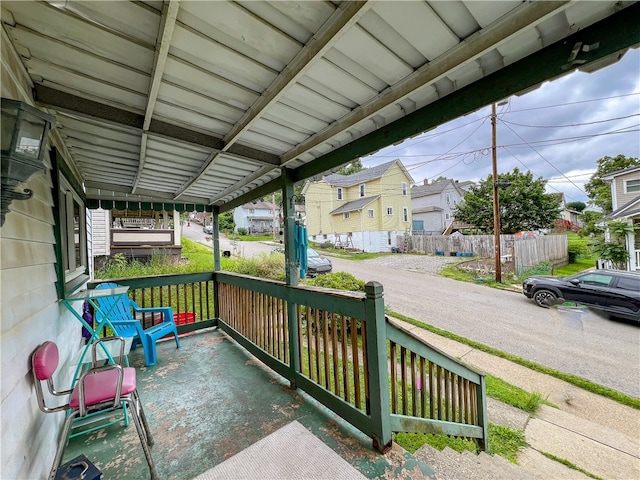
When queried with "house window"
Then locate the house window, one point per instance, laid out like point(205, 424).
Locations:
point(362, 191)
point(72, 225)
point(405, 214)
point(339, 193)
point(252, 211)
point(448, 198)
point(404, 189)
point(347, 215)
point(632, 186)
point(370, 213)
point(389, 210)
point(447, 216)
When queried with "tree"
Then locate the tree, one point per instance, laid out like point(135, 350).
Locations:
point(225, 222)
point(578, 206)
point(349, 168)
point(524, 205)
point(589, 219)
point(598, 190)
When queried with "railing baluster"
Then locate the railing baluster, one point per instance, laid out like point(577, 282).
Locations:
point(394, 377)
point(325, 348)
point(423, 387)
point(403, 377)
point(414, 390)
point(356, 363)
point(345, 358)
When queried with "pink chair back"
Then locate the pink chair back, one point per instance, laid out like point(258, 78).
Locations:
point(45, 360)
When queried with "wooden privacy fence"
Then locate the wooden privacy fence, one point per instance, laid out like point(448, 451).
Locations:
point(524, 251)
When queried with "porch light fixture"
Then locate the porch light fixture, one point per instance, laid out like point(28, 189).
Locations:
point(23, 137)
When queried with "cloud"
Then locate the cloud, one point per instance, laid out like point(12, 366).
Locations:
point(557, 131)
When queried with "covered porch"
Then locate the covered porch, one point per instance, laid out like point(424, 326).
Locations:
point(188, 105)
point(210, 400)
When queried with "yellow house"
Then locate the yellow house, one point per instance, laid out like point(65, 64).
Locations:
point(367, 210)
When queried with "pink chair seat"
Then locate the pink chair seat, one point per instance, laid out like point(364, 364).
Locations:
point(101, 387)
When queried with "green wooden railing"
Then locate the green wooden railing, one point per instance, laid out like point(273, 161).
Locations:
point(337, 346)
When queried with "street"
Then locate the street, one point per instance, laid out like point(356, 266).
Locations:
point(603, 351)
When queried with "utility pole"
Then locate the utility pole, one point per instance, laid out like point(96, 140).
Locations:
point(496, 206)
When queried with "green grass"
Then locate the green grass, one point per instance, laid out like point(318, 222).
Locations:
point(515, 396)
point(566, 377)
point(503, 441)
point(342, 253)
point(567, 463)
point(250, 238)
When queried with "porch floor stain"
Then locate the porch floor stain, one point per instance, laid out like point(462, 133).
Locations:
point(210, 400)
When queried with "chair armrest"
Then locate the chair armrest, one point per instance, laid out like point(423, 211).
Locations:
point(167, 312)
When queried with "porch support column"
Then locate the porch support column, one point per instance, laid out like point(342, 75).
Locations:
point(376, 336)
point(215, 233)
point(291, 271)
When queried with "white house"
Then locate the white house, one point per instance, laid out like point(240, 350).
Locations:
point(625, 201)
point(432, 205)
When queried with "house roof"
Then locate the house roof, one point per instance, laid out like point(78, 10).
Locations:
point(209, 103)
point(624, 171)
point(430, 208)
point(260, 206)
point(629, 209)
point(354, 205)
point(364, 176)
point(418, 191)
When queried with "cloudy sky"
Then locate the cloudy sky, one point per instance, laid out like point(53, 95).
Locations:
point(557, 132)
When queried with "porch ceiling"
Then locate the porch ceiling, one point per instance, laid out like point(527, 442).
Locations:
point(206, 102)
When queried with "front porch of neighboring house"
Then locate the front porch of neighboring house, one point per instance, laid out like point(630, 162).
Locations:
point(135, 233)
point(336, 365)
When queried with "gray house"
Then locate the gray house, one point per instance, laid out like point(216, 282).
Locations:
point(432, 205)
point(258, 217)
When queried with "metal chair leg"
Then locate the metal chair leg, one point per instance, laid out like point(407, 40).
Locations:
point(62, 442)
point(143, 440)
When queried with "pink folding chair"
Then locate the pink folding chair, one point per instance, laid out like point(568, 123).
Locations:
point(101, 388)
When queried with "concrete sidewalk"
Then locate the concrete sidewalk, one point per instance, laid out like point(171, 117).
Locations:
point(597, 434)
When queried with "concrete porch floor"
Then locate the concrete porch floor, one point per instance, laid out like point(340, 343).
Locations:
point(210, 400)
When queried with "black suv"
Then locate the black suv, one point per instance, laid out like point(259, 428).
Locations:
point(614, 292)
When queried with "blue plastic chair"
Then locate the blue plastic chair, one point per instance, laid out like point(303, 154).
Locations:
point(122, 317)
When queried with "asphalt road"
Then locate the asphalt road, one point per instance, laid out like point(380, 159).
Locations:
point(603, 351)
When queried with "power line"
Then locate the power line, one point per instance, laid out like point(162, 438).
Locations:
point(546, 160)
point(571, 124)
point(575, 103)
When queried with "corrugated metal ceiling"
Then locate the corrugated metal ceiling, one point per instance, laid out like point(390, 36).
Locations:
point(202, 102)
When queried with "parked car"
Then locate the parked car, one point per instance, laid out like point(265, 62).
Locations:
point(208, 229)
point(612, 292)
point(316, 263)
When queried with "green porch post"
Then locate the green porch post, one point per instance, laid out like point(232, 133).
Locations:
point(291, 271)
point(483, 419)
point(216, 260)
point(376, 337)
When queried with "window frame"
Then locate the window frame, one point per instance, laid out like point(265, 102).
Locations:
point(362, 190)
point(346, 215)
point(635, 187)
point(405, 214)
point(67, 194)
point(370, 213)
point(390, 211)
point(339, 194)
point(404, 189)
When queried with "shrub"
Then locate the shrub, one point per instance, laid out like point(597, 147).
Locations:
point(264, 265)
point(242, 231)
point(337, 281)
